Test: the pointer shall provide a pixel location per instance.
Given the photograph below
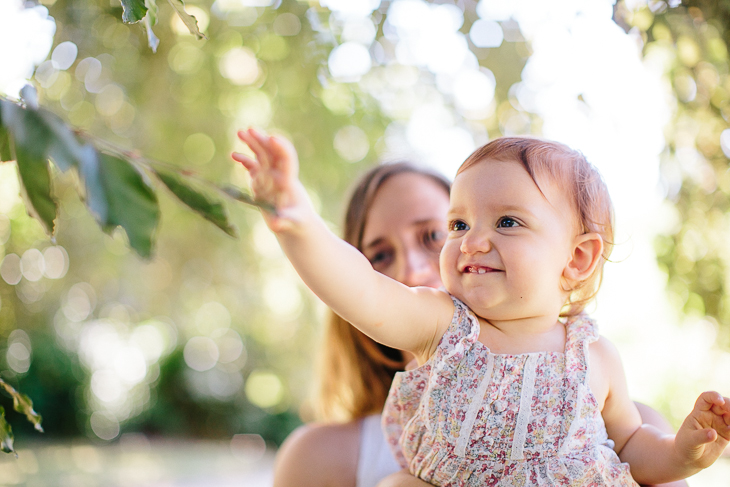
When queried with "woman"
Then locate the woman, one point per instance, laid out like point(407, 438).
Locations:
point(397, 219)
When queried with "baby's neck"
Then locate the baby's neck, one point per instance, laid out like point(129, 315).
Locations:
point(522, 336)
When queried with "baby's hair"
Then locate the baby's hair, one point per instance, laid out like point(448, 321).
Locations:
point(570, 170)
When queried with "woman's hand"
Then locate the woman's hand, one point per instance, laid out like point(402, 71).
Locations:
point(274, 177)
point(402, 479)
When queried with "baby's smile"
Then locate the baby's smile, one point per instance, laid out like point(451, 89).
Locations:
point(478, 269)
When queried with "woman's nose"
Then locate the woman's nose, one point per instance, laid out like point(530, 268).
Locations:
point(475, 241)
point(420, 269)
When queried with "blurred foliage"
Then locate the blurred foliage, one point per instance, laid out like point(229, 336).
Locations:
point(690, 42)
point(212, 336)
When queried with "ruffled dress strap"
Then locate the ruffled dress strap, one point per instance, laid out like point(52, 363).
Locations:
point(460, 336)
point(581, 331)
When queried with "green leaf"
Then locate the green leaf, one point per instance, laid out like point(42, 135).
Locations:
point(29, 96)
point(36, 182)
point(64, 147)
point(150, 20)
point(152, 11)
point(31, 138)
point(211, 210)
point(152, 39)
point(134, 11)
point(190, 22)
point(23, 405)
point(6, 433)
point(5, 154)
point(42, 133)
point(117, 195)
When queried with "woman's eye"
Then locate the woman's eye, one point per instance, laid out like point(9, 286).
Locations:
point(507, 222)
point(380, 259)
point(458, 226)
point(434, 239)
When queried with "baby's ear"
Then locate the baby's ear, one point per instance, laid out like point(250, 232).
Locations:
point(587, 250)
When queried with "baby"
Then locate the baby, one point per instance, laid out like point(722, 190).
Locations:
point(515, 387)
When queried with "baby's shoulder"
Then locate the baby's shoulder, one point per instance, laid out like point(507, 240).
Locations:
point(603, 348)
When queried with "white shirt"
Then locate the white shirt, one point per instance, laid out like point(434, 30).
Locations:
point(375, 462)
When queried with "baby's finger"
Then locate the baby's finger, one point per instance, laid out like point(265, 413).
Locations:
point(251, 165)
point(263, 139)
point(709, 400)
point(703, 436)
point(253, 143)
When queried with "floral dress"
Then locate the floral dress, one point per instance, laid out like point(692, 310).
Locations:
point(469, 417)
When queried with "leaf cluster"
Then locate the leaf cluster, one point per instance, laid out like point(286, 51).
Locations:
point(115, 185)
point(146, 11)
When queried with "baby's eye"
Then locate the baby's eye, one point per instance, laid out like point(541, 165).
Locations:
point(507, 222)
point(458, 226)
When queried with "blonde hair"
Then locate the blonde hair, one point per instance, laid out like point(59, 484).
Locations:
point(570, 170)
point(354, 371)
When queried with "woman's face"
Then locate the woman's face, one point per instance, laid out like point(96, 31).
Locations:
point(406, 228)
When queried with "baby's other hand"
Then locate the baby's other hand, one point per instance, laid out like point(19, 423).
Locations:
point(274, 176)
point(705, 433)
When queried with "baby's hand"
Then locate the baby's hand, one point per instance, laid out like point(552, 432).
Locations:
point(274, 176)
point(705, 433)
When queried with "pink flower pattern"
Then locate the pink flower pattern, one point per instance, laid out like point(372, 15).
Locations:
point(437, 433)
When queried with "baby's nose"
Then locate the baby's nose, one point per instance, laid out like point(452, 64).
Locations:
point(474, 242)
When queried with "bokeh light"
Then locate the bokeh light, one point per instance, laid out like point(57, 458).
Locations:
point(264, 389)
point(30, 31)
point(199, 148)
point(240, 66)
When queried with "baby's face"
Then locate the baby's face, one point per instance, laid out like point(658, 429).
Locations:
point(508, 242)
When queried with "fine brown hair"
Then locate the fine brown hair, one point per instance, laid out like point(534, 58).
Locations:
point(354, 371)
point(569, 170)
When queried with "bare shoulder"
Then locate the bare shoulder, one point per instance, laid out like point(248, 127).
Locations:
point(605, 354)
point(319, 455)
point(605, 368)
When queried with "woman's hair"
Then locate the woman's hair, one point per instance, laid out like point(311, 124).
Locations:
point(355, 372)
point(570, 170)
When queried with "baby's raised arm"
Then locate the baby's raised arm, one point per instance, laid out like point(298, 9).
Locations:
point(411, 319)
point(656, 457)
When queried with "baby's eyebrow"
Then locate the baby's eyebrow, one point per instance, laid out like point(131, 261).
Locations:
point(454, 210)
point(508, 208)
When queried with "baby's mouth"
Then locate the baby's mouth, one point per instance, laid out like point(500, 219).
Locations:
point(477, 269)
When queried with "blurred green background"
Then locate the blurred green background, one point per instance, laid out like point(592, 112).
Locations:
point(215, 336)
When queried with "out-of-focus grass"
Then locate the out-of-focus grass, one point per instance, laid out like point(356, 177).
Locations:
point(135, 461)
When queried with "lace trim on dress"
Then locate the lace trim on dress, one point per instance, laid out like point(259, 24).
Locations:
point(523, 418)
point(476, 404)
point(575, 422)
